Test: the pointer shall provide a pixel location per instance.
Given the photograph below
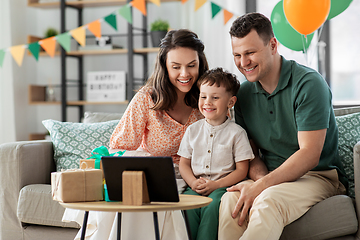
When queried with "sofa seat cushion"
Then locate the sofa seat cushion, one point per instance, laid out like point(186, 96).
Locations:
point(75, 141)
point(330, 218)
point(36, 206)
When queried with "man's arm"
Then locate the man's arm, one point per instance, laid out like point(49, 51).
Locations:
point(306, 158)
point(257, 168)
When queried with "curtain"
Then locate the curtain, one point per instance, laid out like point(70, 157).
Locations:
point(7, 118)
point(213, 32)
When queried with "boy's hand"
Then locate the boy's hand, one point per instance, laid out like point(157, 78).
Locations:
point(207, 187)
point(196, 183)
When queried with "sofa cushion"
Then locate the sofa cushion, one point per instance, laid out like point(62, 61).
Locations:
point(94, 117)
point(349, 135)
point(75, 141)
point(36, 206)
point(328, 219)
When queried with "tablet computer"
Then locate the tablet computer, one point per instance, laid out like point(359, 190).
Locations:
point(159, 173)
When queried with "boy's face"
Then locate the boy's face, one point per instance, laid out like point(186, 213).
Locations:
point(214, 103)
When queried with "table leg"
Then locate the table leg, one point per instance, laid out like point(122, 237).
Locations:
point(187, 224)
point(119, 226)
point(83, 229)
point(156, 226)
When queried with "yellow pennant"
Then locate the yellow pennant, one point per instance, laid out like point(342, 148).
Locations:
point(199, 3)
point(18, 53)
point(79, 35)
point(95, 28)
point(157, 2)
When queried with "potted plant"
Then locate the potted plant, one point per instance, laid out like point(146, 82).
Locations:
point(50, 32)
point(158, 30)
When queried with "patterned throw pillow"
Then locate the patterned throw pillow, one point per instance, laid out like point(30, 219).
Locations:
point(349, 135)
point(75, 141)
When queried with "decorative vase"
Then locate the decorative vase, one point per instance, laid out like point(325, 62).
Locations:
point(156, 37)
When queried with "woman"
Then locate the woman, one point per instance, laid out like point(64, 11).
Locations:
point(154, 122)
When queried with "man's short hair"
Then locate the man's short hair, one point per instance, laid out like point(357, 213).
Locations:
point(221, 78)
point(243, 25)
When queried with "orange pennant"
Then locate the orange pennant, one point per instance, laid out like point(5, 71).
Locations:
point(157, 2)
point(183, 1)
point(199, 3)
point(18, 53)
point(95, 28)
point(49, 45)
point(139, 5)
point(227, 16)
point(79, 35)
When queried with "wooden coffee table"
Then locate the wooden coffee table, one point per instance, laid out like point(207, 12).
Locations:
point(186, 202)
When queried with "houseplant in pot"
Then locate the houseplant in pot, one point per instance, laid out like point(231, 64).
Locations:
point(158, 30)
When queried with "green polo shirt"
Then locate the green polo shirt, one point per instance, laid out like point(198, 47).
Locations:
point(301, 102)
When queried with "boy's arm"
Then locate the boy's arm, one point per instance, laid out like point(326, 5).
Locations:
point(186, 171)
point(235, 176)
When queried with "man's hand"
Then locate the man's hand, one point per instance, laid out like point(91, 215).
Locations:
point(249, 190)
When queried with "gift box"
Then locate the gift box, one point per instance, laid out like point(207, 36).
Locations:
point(77, 185)
point(91, 163)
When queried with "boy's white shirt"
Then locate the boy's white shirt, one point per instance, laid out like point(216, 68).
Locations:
point(214, 150)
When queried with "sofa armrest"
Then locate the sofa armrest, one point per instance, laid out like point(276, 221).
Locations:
point(27, 162)
point(21, 164)
point(357, 183)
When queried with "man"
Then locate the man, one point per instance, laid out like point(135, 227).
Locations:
point(287, 112)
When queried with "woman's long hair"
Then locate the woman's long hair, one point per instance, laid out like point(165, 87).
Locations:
point(163, 92)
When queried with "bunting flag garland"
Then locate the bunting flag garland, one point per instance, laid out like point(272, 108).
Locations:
point(227, 16)
point(18, 53)
point(95, 28)
point(49, 45)
point(125, 12)
point(139, 5)
point(2, 56)
point(199, 4)
point(79, 34)
point(64, 40)
point(215, 9)
point(111, 20)
point(34, 49)
point(156, 2)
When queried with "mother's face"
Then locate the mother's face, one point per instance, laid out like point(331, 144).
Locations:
point(183, 68)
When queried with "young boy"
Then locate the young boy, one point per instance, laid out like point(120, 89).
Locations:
point(214, 152)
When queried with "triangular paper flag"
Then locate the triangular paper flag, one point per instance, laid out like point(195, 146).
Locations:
point(227, 16)
point(183, 1)
point(125, 12)
point(79, 35)
point(49, 44)
point(199, 3)
point(95, 28)
point(111, 20)
point(34, 48)
point(139, 5)
point(2, 56)
point(215, 9)
point(18, 53)
point(157, 2)
point(64, 40)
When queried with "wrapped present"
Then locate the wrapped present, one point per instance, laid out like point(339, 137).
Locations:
point(77, 185)
point(95, 160)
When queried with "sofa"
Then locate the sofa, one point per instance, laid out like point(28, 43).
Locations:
point(28, 211)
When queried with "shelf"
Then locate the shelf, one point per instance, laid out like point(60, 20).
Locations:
point(83, 3)
point(81, 103)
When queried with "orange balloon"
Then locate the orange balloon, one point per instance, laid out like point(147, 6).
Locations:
point(305, 16)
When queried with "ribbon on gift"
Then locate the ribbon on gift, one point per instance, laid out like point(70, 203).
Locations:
point(98, 152)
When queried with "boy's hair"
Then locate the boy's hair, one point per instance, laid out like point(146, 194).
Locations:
point(243, 25)
point(221, 78)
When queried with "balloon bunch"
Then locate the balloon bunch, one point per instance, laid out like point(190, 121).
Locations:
point(295, 21)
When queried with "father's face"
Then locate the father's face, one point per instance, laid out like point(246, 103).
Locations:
point(252, 57)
